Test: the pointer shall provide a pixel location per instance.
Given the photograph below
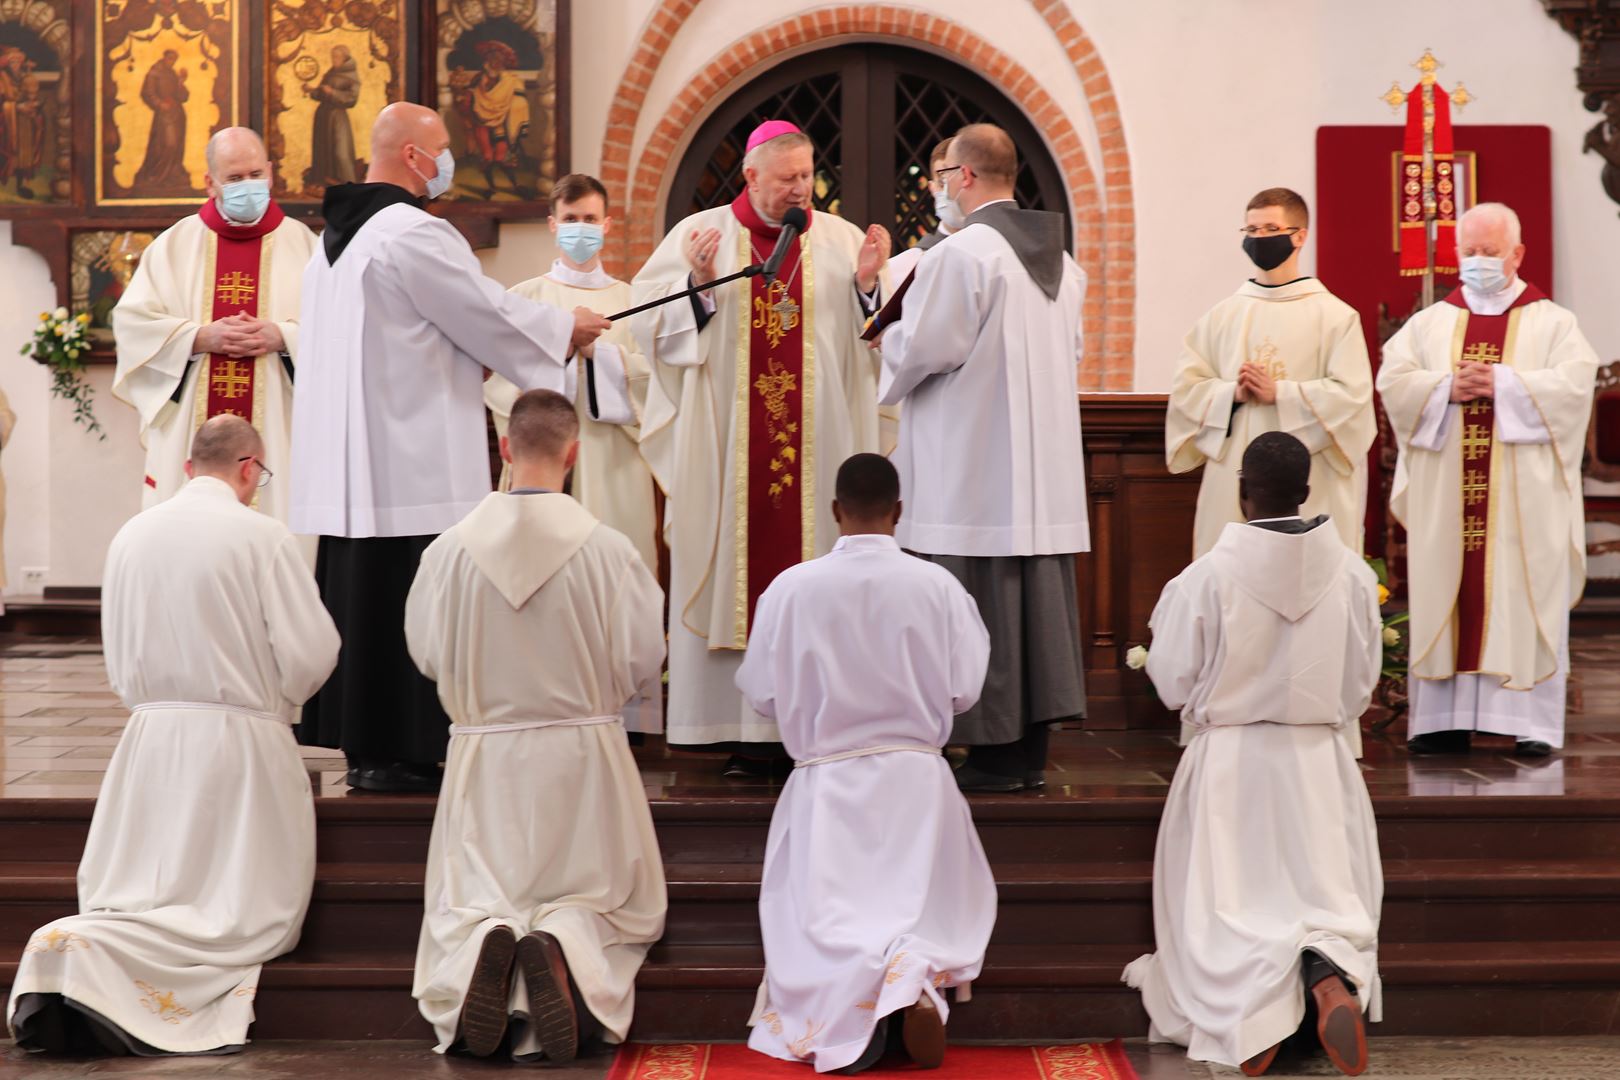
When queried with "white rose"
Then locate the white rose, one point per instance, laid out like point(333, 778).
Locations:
point(1392, 637)
point(1136, 657)
point(59, 313)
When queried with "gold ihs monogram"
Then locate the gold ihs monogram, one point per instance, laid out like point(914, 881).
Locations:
point(1265, 358)
point(776, 313)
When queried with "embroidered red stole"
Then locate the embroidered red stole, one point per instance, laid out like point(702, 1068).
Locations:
point(775, 483)
point(1484, 339)
point(237, 268)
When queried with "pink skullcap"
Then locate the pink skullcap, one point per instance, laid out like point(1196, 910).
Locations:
point(771, 129)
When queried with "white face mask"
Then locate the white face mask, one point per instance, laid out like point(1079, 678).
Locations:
point(1483, 274)
point(947, 211)
point(446, 161)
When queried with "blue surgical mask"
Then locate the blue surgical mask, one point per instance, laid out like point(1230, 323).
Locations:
point(947, 210)
point(579, 240)
point(446, 161)
point(244, 201)
point(1483, 274)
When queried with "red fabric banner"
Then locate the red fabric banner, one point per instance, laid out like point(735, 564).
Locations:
point(1409, 196)
point(236, 288)
point(1485, 340)
point(776, 408)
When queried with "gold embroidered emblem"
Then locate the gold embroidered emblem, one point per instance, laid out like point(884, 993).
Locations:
point(230, 378)
point(896, 970)
point(801, 1047)
point(866, 1006)
point(1265, 358)
point(772, 1021)
point(56, 940)
point(162, 1003)
point(1483, 353)
point(1476, 443)
point(774, 386)
point(776, 313)
point(236, 288)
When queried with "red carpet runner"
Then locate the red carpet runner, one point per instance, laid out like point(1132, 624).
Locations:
point(733, 1061)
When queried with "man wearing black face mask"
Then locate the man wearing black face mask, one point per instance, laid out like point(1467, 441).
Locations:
point(1281, 354)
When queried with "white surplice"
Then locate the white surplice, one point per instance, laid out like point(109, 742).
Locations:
point(388, 423)
point(876, 890)
point(168, 300)
point(201, 853)
point(1270, 645)
point(989, 457)
point(689, 438)
point(1311, 343)
point(1543, 403)
point(539, 624)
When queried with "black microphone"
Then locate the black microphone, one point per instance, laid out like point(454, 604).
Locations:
point(793, 223)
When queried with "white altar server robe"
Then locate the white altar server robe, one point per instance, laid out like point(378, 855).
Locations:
point(388, 416)
point(1270, 645)
point(876, 890)
point(539, 624)
point(201, 853)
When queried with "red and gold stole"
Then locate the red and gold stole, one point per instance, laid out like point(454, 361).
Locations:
point(1484, 339)
point(236, 278)
point(776, 394)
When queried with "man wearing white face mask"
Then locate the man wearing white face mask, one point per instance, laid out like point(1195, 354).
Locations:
point(209, 323)
point(388, 446)
point(1489, 394)
point(946, 212)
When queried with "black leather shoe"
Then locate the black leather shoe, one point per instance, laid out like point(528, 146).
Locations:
point(873, 1052)
point(969, 778)
point(396, 776)
point(1531, 748)
point(1440, 742)
point(1034, 781)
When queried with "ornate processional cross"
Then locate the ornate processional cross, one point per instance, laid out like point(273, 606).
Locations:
point(1395, 97)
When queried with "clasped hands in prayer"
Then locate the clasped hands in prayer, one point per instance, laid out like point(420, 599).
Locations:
point(1471, 381)
point(239, 335)
point(1255, 385)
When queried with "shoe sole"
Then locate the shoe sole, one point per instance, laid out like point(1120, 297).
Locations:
point(923, 1033)
point(483, 1011)
point(395, 787)
point(1257, 1065)
point(1339, 1026)
point(551, 1006)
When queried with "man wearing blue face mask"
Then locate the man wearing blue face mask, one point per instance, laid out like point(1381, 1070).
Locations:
point(388, 440)
point(209, 323)
point(1489, 393)
point(946, 212)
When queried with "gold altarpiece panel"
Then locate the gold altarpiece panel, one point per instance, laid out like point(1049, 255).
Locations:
point(36, 102)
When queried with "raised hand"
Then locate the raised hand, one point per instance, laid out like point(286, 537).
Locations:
point(874, 255)
point(700, 248)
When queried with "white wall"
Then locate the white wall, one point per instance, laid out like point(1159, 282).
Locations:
point(1218, 97)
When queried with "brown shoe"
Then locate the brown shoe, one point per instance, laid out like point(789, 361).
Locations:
point(483, 1010)
point(1339, 1025)
point(551, 1005)
point(923, 1033)
point(1257, 1065)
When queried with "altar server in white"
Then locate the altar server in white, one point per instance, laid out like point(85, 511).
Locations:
point(1280, 354)
point(388, 448)
point(201, 853)
point(209, 323)
point(876, 894)
point(1490, 394)
point(1266, 879)
point(985, 362)
point(544, 883)
point(758, 392)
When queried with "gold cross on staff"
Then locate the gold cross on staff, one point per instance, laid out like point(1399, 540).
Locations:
point(1475, 490)
point(236, 288)
point(1476, 443)
point(1395, 97)
point(230, 379)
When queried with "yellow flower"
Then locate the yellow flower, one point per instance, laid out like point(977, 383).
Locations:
point(84, 318)
point(44, 316)
point(1383, 596)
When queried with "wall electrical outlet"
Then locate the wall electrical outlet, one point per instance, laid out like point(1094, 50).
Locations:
point(33, 578)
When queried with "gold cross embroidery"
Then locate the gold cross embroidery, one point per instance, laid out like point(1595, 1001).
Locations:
point(1483, 353)
point(1476, 443)
point(776, 313)
point(1473, 534)
point(1474, 491)
point(230, 379)
point(236, 288)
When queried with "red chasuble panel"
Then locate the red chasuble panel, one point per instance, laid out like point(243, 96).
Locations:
point(236, 285)
point(779, 389)
point(1354, 224)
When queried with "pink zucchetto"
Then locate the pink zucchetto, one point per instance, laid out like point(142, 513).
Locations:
point(771, 129)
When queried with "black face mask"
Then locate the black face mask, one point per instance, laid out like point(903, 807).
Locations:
point(1269, 252)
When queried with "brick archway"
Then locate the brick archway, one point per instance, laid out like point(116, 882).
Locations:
point(1104, 235)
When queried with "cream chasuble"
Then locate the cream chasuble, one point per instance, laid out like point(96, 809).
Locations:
point(201, 854)
point(610, 479)
point(746, 424)
point(538, 624)
point(1490, 495)
point(1311, 343)
point(181, 284)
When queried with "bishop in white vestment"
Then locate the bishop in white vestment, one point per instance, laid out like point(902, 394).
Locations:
point(1489, 394)
point(1266, 879)
point(1280, 354)
point(545, 887)
point(389, 442)
point(201, 854)
point(876, 895)
point(209, 323)
point(758, 392)
point(985, 360)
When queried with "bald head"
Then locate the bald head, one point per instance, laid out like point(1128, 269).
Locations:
point(405, 140)
point(980, 164)
point(236, 153)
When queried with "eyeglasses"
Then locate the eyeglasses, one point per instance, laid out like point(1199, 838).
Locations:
point(1268, 230)
point(265, 474)
point(943, 171)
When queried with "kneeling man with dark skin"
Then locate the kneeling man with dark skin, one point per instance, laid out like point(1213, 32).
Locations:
point(545, 887)
point(863, 658)
point(1266, 880)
